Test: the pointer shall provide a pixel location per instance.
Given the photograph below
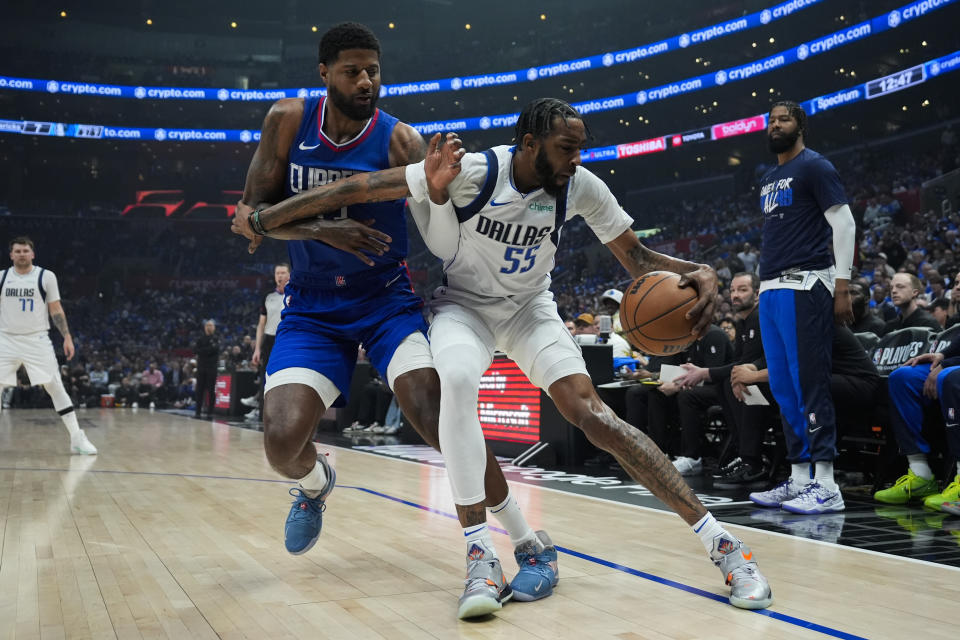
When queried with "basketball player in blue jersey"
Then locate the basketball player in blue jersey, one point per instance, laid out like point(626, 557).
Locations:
point(495, 219)
point(803, 291)
point(350, 286)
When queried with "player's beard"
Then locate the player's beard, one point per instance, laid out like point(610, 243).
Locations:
point(545, 175)
point(350, 108)
point(784, 142)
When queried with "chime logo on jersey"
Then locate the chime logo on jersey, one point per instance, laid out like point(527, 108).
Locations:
point(512, 233)
point(306, 178)
point(776, 194)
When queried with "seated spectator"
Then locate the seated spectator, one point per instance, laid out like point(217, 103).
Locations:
point(586, 331)
point(920, 382)
point(126, 394)
point(940, 310)
point(904, 291)
point(151, 386)
point(99, 378)
point(711, 351)
point(881, 303)
point(729, 326)
point(864, 318)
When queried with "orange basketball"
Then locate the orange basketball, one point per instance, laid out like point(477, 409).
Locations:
point(652, 314)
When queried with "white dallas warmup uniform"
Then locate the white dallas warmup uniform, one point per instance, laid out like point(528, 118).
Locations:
point(24, 325)
point(496, 294)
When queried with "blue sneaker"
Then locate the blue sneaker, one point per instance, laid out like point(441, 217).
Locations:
point(306, 514)
point(538, 573)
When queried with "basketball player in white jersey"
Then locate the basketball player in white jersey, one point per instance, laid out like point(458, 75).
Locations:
point(29, 295)
point(496, 225)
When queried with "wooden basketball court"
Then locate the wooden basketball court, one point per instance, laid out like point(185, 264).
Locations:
point(176, 530)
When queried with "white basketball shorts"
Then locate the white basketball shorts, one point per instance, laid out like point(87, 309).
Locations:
point(34, 351)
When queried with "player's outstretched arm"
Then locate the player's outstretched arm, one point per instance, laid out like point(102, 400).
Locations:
point(60, 322)
point(638, 260)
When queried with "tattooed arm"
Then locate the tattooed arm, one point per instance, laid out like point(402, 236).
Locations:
point(60, 322)
point(268, 168)
point(639, 260)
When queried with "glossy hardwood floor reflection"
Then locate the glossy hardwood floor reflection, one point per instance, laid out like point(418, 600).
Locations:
point(176, 530)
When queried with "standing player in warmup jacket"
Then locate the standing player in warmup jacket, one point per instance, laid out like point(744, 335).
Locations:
point(30, 294)
point(495, 219)
point(348, 286)
point(803, 290)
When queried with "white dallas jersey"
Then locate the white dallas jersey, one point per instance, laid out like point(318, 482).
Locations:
point(23, 305)
point(507, 239)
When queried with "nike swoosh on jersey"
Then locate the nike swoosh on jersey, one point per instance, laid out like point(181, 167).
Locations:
point(494, 203)
point(303, 148)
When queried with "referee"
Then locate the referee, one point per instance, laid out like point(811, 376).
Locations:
point(267, 333)
point(803, 291)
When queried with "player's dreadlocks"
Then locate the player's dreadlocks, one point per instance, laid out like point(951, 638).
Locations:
point(346, 35)
point(796, 112)
point(538, 116)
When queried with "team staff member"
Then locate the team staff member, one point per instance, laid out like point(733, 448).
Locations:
point(803, 291)
point(207, 348)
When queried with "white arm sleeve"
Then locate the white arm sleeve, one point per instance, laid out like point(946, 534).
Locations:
point(438, 223)
point(844, 238)
point(438, 226)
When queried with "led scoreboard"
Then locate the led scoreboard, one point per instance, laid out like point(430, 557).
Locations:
point(509, 405)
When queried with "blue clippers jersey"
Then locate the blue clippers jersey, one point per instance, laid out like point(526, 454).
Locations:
point(794, 197)
point(314, 161)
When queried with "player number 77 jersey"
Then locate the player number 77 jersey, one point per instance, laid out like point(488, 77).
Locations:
point(508, 240)
point(23, 305)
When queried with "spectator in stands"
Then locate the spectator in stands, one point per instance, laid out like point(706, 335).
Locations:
point(125, 395)
point(586, 331)
point(610, 305)
point(729, 326)
point(864, 318)
point(904, 291)
point(881, 303)
point(749, 257)
point(99, 378)
point(940, 310)
point(151, 386)
point(917, 384)
point(207, 348)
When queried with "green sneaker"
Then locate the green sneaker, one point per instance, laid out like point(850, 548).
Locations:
point(905, 488)
point(950, 493)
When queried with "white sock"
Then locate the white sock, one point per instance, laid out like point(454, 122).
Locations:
point(823, 474)
point(314, 482)
point(708, 528)
point(801, 473)
point(70, 422)
point(509, 514)
point(479, 534)
point(958, 468)
point(918, 464)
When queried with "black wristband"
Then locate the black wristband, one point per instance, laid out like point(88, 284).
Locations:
point(256, 224)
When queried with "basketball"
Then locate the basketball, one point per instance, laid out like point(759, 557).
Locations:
point(653, 312)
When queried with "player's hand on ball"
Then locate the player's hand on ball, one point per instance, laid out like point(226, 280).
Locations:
point(704, 280)
point(442, 164)
point(352, 236)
